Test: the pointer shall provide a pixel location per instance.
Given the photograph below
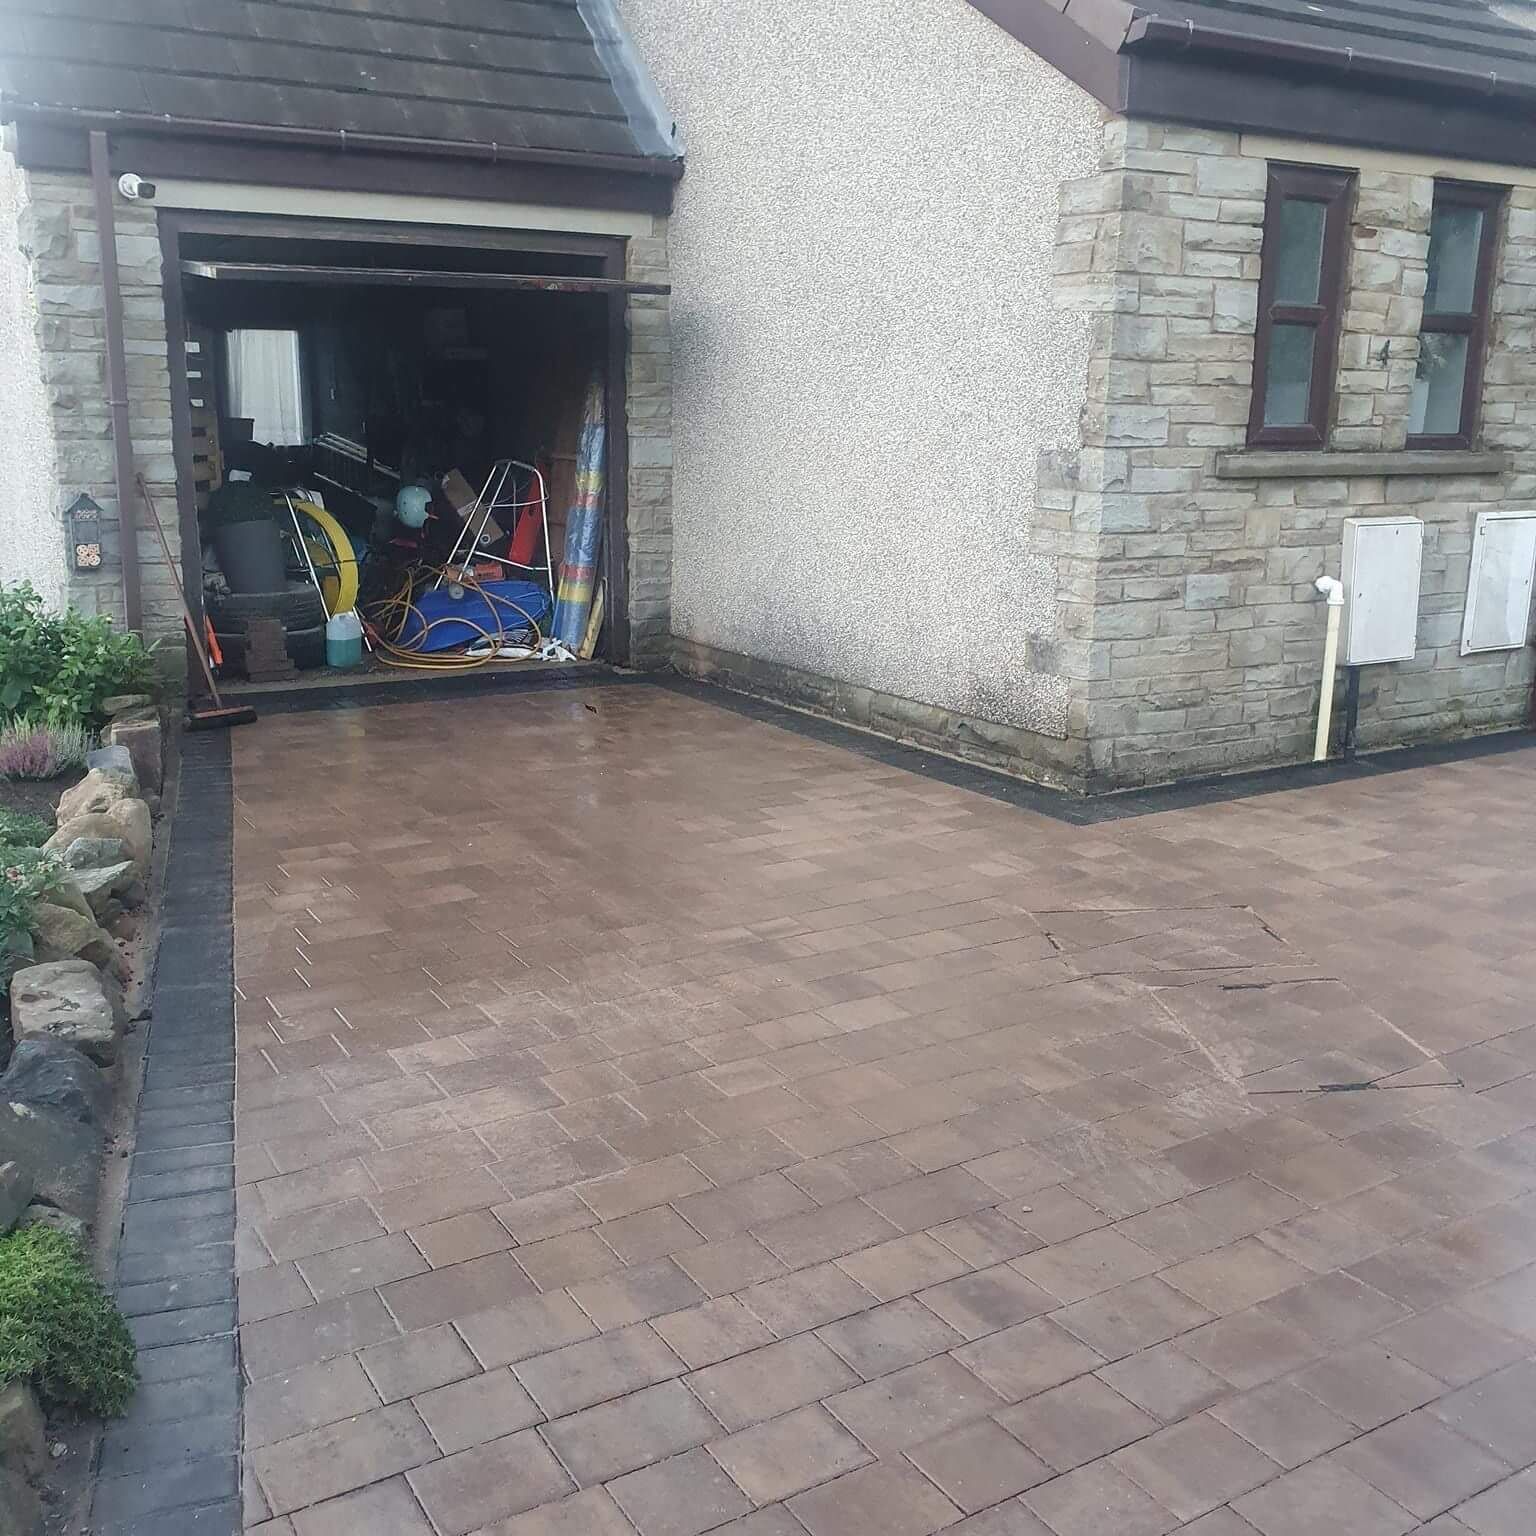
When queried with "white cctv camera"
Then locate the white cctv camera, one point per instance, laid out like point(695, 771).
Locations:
point(135, 187)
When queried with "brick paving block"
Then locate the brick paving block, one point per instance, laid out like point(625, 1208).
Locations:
point(620, 1436)
point(461, 1289)
point(1368, 1386)
point(729, 1265)
point(1194, 1467)
point(544, 1215)
point(312, 1232)
point(779, 1458)
point(1028, 1358)
point(850, 1170)
point(317, 1333)
point(362, 1266)
point(715, 1331)
point(1506, 1510)
point(386, 1509)
point(1131, 1317)
point(795, 1303)
point(555, 1262)
point(594, 1370)
point(991, 1299)
point(1095, 1500)
point(931, 1199)
point(751, 1202)
point(637, 1189)
point(468, 1413)
point(418, 1362)
point(914, 1404)
point(882, 1500)
point(682, 1496)
point(1234, 1277)
point(456, 1239)
point(889, 1337)
point(1076, 1422)
point(979, 1465)
point(305, 1398)
point(1419, 1463)
point(903, 1265)
point(127, 1448)
point(767, 1382)
point(1290, 1426)
point(651, 1234)
point(271, 1291)
point(531, 1325)
point(1085, 1265)
point(1322, 1496)
point(1498, 1412)
point(827, 1233)
point(1010, 1519)
point(476, 1488)
point(1452, 1345)
point(1164, 1382)
point(1249, 1348)
point(985, 1237)
point(338, 1458)
point(152, 1499)
point(590, 1513)
point(1335, 1309)
point(634, 1294)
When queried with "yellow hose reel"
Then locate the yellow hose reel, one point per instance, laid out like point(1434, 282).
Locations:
point(331, 552)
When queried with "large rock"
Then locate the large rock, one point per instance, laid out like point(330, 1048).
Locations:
point(62, 933)
point(96, 793)
point(127, 821)
point(67, 893)
point(140, 732)
point(125, 703)
point(66, 1001)
point(99, 887)
point(20, 1512)
point(21, 1429)
point(53, 1108)
point(16, 950)
point(15, 1195)
point(55, 1220)
point(120, 759)
point(94, 853)
point(47, 1075)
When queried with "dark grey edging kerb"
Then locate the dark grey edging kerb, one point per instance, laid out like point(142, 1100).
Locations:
point(172, 1466)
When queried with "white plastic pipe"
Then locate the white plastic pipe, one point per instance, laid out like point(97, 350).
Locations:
point(1333, 591)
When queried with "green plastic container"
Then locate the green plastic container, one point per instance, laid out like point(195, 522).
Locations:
point(343, 641)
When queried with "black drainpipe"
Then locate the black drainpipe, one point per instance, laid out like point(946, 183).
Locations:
point(117, 381)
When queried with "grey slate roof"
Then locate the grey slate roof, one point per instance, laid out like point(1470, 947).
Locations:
point(523, 74)
point(1484, 37)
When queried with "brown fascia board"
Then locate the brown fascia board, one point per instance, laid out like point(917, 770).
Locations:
point(50, 138)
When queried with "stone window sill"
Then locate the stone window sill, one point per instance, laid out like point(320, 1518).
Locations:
point(1312, 464)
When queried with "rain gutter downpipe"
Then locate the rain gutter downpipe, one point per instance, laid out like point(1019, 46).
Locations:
point(1333, 590)
point(117, 381)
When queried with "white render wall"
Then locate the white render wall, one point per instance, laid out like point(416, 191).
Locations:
point(32, 541)
point(867, 357)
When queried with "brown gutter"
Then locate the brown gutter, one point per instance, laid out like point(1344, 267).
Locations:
point(1165, 33)
point(117, 381)
point(344, 139)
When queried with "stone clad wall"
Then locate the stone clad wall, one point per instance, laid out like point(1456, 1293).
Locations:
point(1193, 591)
point(57, 236)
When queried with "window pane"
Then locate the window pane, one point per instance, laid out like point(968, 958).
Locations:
point(1455, 234)
point(1437, 389)
point(1299, 251)
point(1288, 378)
point(266, 383)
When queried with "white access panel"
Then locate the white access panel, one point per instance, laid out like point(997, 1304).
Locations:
point(1498, 616)
point(1382, 560)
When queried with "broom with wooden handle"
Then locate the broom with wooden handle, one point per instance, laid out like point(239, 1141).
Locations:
point(222, 715)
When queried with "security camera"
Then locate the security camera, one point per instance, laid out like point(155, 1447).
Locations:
point(135, 187)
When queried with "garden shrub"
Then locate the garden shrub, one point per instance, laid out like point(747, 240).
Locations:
point(27, 876)
point(59, 1329)
point(42, 749)
point(59, 667)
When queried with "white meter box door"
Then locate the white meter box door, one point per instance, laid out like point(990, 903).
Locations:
point(1382, 560)
point(1498, 614)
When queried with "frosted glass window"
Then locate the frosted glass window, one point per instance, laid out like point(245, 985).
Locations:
point(1439, 386)
point(1299, 252)
point(1455, 242)
point(1288, 382)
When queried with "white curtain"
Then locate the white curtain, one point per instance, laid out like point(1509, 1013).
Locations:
point(266, 383)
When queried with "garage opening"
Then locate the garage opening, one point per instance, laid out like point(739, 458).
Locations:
point(403, 457)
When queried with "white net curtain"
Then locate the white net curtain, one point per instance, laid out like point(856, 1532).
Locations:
point(266, 383)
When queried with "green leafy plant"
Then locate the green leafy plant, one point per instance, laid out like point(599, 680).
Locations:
point(59, 1329)
point(59, 667)
point(27, 877)
point(19, 830)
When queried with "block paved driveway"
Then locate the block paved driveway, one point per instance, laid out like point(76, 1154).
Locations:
point(651, 1119)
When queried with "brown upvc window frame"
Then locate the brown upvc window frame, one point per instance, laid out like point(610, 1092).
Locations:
point(1335, 190)
point(1475, 323)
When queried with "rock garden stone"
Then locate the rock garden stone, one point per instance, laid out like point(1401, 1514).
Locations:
point(20, 1512)
point(99, 887)
point(67, 893)
point(117, 758)
point(65, 1001)
point(61, 933)
point(97, 792)
point(23, 1445)
point(94, 853)
point(16, 950)
point(15, 1197)
point(45, 1075)
point(140, 732)
point(56, 1221)
point(63, 1155)
point(128, 821)
point(122, 703)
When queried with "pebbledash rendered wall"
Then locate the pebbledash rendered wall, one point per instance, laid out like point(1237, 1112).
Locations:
point(1193, 593)
point(57, 425)
point(53, 387)
point(868, 361)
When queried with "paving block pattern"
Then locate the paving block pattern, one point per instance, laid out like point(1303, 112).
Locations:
point(655, 1120)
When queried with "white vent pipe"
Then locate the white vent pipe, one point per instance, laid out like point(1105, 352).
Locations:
point(1333, 591)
